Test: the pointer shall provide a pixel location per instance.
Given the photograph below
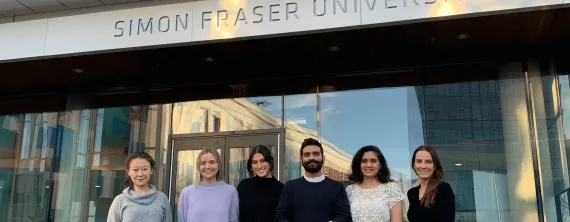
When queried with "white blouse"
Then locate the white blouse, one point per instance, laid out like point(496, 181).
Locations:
point(373, 205)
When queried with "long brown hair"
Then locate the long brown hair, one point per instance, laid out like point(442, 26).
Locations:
point(436, 178)
point(138, 155)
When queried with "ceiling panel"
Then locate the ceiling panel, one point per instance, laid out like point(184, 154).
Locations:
point(43, 5)
point(24, 7)
point(13, 7)
point(110, 2)
point(80, 3)
point(6, 19)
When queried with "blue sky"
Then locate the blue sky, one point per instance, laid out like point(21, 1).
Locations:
point(352, 119)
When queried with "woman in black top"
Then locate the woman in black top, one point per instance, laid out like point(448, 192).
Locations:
point(259, 194)
point(433, 200)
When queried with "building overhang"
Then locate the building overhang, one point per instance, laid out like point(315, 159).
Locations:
point(202, 22)
point(397, 55)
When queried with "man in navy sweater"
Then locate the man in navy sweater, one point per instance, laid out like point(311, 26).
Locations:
point(314, 197)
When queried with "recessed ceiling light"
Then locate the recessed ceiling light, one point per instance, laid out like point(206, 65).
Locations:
point(209, 59)
point(463, 36)
point(334, 48)
point(458, 164)
point(77, 70)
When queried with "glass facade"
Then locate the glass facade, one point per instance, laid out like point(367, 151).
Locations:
point(499, 128)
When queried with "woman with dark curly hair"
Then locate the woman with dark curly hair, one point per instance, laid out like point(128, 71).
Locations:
point(375, 196)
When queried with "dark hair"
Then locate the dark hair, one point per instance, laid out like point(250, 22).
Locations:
point(356, 174)
point(137, 155)
point(311, 142)
point(263, 150)
point(435, 179)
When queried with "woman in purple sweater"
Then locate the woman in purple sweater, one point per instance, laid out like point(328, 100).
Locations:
point(211, 199)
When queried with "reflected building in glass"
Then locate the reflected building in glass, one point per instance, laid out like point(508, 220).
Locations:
point(226, 115)
point(463, 121)
point(482, 134)
point(502, 145)
point(483, 82)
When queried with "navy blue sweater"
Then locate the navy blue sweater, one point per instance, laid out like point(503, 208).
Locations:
point(303, 201)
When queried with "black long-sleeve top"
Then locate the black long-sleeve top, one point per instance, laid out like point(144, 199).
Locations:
point(304, 201)
point(258, 198)
point(443, 210)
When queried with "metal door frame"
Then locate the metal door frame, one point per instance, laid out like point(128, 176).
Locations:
point(172, 158)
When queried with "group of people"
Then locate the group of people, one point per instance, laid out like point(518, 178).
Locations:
point(374, 195)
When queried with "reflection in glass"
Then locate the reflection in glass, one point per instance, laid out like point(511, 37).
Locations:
point(238, 165)
point(227, 115)
point(71, 164)
point(385, 117)
point(483, 129)
point(562, 198)
point(481, 132)
point(90, 160)
point(563, 206)
point(113, 140)
point(157, 131)
point(548, 95)
point(26, 166)
point(353, 119)
point(300, 123)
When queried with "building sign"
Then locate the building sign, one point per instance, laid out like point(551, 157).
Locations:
point(195, 22)
point(386, 11)
point(260, 17)
point(142, 26)
point(113, 30)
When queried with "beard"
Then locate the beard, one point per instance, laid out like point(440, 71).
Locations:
point(313, 169)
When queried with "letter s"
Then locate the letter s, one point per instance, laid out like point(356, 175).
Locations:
point(117, 28)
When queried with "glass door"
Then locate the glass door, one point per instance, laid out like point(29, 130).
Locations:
point(234, 149)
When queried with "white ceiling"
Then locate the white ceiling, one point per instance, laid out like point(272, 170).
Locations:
point(25, 7)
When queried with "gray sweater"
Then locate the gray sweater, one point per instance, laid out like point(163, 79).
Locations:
point(149, 207)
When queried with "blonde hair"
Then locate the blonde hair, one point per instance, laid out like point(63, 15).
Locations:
point(218, 162)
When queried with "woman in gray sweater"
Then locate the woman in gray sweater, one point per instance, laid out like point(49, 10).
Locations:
point(140, 201)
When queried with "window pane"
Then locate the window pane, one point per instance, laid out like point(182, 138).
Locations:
point(90, 169)
point(561, 199)
point(300, 123)
point(116, 135)
point(388, 118)
point(550, 97)
point(482, 134)
point(222, 115)
point(157, 130)
point(25, 168)
point(71, 169)
point(354, 113)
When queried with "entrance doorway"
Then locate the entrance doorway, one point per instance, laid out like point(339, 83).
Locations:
point(233, 147)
